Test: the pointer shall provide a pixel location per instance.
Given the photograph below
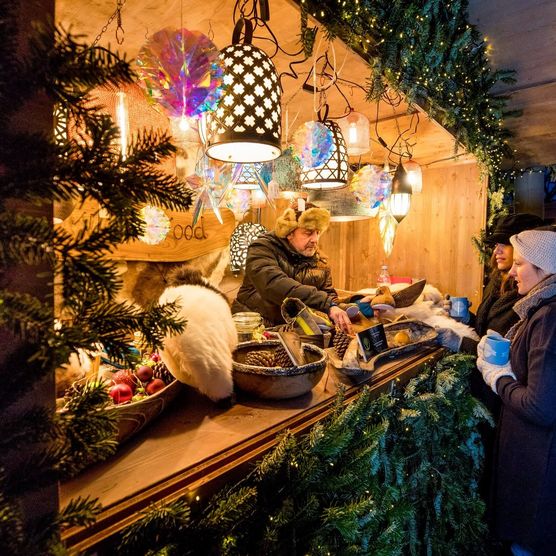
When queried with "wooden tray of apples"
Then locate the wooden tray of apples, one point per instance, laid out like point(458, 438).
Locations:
point(141, 394)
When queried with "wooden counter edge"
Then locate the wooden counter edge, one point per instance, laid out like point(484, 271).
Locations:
point(209, 475)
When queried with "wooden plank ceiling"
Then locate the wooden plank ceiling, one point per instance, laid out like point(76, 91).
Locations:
point(522, 37)
point(142, 18)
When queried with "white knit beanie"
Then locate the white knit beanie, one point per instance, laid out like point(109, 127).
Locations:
point(538, 247)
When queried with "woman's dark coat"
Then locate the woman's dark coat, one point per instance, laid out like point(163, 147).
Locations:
point(524, 489)
point(274, 271)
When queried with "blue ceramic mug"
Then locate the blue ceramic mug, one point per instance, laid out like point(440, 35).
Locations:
point(460, 308)
point(497, 350)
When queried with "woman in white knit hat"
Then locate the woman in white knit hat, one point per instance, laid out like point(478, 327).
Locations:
point(524, 486)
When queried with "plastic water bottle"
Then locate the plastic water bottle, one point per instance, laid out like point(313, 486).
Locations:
point(383, 278)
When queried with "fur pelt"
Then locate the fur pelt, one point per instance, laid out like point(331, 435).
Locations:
point(311, 219)
point(77, 367)
point(428, 309)
point(201, 356)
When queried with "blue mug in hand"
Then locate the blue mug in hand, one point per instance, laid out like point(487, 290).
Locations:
point(497, 350)
point(460, 308)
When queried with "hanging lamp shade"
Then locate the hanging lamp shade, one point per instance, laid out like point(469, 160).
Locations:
point(356, 131)
point(341, 204)
point(333, 173)
point(414, 176)
point(241, 239)
point(400, 199)
point(247, 177)
point(246, 125)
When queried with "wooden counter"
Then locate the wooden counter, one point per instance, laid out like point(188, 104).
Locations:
point(195, 447)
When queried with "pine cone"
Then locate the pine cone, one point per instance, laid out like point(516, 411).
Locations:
point(261, 358)
point(341, 342)
point(282, 359)
point(160, 370)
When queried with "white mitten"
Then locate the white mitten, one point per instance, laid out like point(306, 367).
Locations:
point(449, 339)
point(491, 373)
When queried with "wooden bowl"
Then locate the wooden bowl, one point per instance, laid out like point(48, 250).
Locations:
point(132, 417)
point(277, 383)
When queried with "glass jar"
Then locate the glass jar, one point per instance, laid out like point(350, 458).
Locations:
point(248, 325)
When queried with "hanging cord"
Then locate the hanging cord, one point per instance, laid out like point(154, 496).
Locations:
point(119, 29)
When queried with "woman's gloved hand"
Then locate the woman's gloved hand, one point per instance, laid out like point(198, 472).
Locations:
point(491, 372)
point(449, 339)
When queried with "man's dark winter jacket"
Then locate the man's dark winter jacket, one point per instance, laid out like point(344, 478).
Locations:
point(275, 271)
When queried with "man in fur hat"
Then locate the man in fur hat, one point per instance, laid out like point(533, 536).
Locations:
point(287, 263)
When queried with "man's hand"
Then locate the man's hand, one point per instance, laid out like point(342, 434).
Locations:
point(340, 318)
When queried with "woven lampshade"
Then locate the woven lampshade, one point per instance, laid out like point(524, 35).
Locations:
point(246, 125)
point(333, 173)
point(341, 204)
point(247, 178)
point(241, 239)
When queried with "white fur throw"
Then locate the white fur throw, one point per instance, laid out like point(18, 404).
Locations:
point(202, 355)
point(428, 309)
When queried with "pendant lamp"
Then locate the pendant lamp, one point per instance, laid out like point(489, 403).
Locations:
point(414, 176)
point(356, 131)
point(247, 178)
point(400, 199)
point(246, 125)
point(341, 204)
point(333, 173)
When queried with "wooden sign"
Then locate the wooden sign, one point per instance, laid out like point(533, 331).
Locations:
point(183, 242)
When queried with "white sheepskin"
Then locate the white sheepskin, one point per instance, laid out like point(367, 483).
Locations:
point(202, 355)
point(428, 309)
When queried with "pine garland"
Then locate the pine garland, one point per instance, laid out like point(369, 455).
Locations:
point(38, 169)
point(392, 475)
point(428, 50)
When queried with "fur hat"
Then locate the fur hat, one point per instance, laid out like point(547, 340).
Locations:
point(313, 218)
point(538, 247)
point(507, 226)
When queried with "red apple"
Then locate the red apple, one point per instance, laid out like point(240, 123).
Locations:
point(121, 393)
point(125, 377)
point(155, 357)
point(144, 373)
point(154, 386)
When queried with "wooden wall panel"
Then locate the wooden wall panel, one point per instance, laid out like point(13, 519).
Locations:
point(432, 242)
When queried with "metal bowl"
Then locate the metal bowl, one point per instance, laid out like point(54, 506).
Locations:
point(277, 383)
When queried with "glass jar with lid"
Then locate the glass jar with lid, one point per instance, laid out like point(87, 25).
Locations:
point(248, 325)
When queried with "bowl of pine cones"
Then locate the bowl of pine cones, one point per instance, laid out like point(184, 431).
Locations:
point(265, 370)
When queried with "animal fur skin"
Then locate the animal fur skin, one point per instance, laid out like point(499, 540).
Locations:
point(428, 309)
point(202, 355)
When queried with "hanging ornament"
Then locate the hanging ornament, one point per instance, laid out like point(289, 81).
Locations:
point(181, 72)
point(387, 226)
point(241, 239)
point(212, 179)
point(157, 225)
point(384, 184)
point(367, 187)
point(312, 143)
point(285, 171)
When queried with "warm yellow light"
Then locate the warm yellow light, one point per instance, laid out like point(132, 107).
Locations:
point(399, 204)
point(414, 176)
point(123, 121)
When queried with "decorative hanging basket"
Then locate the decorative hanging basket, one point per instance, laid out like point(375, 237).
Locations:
point(333, 173)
